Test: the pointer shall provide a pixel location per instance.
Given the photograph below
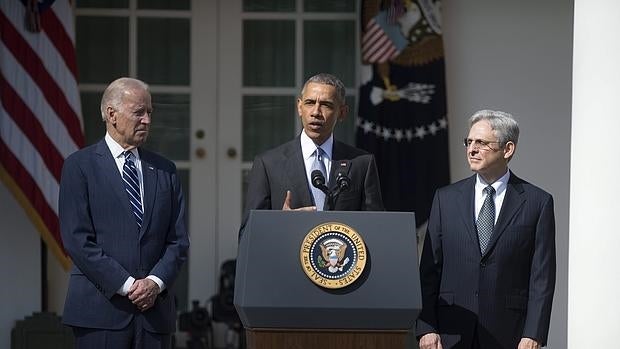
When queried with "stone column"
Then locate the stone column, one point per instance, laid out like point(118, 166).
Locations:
point(594, 228)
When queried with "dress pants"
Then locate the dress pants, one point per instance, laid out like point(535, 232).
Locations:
point(134, 336)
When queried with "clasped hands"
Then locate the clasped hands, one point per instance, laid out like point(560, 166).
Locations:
point(143, 293)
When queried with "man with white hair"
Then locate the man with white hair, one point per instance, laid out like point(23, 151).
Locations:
point(122, 221)
point(488, 264)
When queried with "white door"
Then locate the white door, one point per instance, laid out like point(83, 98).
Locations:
point(203, 210)
point(265, 51)
point(224, 76)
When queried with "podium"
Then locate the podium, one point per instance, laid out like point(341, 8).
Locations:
point(280, 298)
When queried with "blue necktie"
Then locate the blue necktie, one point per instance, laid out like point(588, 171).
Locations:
point(486, 219)
point(318, 164)
point(132, 186)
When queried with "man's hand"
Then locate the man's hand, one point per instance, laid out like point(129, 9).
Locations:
point(430, 341)
point(528, 343)
point(287, 204)
point(143, 293)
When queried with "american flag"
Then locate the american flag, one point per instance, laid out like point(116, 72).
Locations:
point(381, 40)
point(40, 113)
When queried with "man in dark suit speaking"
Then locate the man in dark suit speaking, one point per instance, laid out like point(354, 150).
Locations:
point(122, 220)
point(488, 264)
point(281, 178)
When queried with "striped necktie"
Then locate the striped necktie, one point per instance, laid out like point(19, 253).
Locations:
point(132, 186)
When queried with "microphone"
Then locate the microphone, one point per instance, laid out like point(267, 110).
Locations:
point(343, 183)
point(318, 181)
point(342, 179)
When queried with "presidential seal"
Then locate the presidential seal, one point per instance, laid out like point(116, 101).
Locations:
point(333, 255)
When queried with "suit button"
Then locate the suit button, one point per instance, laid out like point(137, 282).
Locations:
point(483, 264)
point(476, 293)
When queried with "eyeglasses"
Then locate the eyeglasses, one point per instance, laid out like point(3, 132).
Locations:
point(478, 143)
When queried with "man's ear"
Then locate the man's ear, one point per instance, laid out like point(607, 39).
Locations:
point(509, 149)
point(110, 114)
point(299, 107)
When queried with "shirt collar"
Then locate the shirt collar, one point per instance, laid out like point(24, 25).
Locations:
point(308, 147)
point(116, 148)
point(499, 185)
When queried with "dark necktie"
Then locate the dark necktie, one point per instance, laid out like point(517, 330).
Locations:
point(318, 164)
point(132, 186)
point(486, 219)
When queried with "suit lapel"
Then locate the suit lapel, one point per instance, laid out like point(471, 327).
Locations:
point(467, 213)
point(513, 200)
point(296, 172)
point(149, 177)
point(109, 170)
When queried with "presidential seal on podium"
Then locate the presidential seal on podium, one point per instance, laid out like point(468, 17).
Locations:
point(333, 255)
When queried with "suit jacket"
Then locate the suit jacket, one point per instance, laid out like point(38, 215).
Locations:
point(501, 296)
point(282, 168)
point(102, 238)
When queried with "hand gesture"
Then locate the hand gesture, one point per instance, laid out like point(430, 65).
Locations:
point(287, 204)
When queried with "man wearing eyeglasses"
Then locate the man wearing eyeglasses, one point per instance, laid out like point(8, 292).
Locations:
point(488, 264)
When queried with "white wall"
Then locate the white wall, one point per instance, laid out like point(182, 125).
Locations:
point(57, 282)
point(20, 266)
point(516, 56)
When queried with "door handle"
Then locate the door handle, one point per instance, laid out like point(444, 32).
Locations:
point(201, 153)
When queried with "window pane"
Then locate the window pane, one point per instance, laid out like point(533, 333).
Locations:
point(269, 53)
point(329, 47)
point(345, 131)
point(329, 6)
point(102, 46)
point(164, 4)
point(102, 4)
point(163, 51)
point(268, 121)
point(268, 5)
point(94, 128)
point(170, 126)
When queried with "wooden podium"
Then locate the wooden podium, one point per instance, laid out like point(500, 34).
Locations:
point(280, 307)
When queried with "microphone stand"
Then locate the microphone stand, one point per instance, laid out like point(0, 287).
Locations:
point(343, 184)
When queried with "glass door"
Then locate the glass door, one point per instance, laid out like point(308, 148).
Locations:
point(224, 77)
point(151, 40)
point(268, 48)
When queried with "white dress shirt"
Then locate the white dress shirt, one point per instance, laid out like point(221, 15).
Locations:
point(307, 150)
point(499, 185)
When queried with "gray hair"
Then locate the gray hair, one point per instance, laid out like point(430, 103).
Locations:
point(112, 96)
point(327, 79)
point(504, 124)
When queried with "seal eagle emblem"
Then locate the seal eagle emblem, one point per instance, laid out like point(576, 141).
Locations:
point(333, 255)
